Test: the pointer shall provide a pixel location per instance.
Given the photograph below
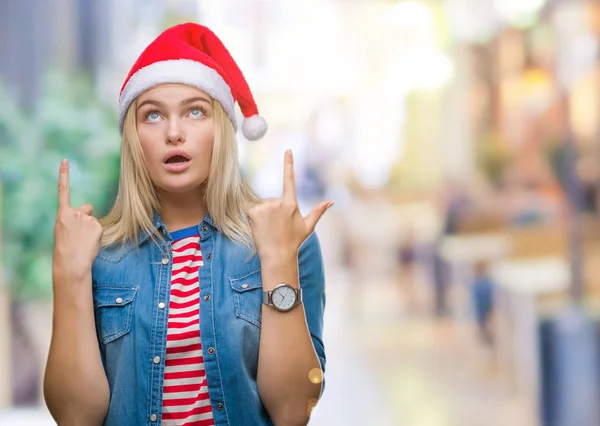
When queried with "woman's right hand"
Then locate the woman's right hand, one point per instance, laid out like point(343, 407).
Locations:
point(77, 235)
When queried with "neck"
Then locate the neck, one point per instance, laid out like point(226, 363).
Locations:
point(179, 211)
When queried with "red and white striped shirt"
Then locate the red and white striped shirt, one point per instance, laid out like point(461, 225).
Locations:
point(185, 393)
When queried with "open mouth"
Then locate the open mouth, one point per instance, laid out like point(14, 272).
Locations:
point(177, 159)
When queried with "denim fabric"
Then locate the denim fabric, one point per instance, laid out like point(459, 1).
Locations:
point(130, 285)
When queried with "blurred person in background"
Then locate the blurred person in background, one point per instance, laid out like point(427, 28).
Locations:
point(589, 178)
point(193, 302)
point(482, 296)
point(406, 258)
point(454, 204)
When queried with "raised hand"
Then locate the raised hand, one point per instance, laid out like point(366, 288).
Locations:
point(77, 235)
point(278, 228)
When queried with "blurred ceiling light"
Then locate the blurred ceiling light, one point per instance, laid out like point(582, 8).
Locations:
point(377, 133)
point(471, 20)
point(409, 14)
point(436, 70)
point(425, 68)
point(414, 58)
point(521, 13)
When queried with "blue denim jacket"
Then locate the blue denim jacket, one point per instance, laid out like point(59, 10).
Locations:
point(129, 284)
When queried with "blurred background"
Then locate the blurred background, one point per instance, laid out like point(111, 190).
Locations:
point(460, 140)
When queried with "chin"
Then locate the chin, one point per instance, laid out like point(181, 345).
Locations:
point(180, 186)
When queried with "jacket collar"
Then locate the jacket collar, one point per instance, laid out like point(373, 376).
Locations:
point(162, 229)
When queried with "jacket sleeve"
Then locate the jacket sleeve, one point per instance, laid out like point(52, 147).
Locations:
point(312, 282)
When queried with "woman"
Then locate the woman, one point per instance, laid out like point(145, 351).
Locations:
point(160, 308)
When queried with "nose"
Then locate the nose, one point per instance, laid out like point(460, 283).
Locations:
point(175, 133)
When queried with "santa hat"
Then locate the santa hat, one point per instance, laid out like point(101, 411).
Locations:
point(192, 54)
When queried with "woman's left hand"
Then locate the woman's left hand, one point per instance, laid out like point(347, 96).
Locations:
point(278, 228)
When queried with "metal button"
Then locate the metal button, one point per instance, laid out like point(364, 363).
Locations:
point(165, 260)
point(244, 285)
point(119, 300)
point(205, 228)
point(209, 256)
point(211, 351)
point(220, 406)
point(153, 418)
point(207, 297)
point(156, 360)
point(161, 305)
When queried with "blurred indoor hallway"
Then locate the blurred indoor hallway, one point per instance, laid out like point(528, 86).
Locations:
point(391, 365)
point(386, 365)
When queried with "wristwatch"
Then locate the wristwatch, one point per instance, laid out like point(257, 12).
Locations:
point(284, 297)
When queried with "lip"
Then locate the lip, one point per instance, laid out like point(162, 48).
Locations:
point(177, 167)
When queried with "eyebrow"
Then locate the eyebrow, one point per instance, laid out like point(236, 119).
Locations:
point(183, 102)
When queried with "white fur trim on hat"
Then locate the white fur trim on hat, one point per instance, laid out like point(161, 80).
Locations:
point(254, 127)
point(183, 71)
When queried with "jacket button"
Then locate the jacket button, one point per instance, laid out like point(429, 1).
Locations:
point(161, 305)
point(220, 406)
point(205, 228)
point(209, 256)
point(207, 297)
point(156, 360)
point(119, 300)
point(211, 351)
point(153, 417)
point(165, 260)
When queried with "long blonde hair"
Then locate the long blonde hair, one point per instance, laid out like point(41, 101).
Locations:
point(227, 195)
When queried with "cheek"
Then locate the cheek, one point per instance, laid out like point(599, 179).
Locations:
point(148, 144)
point(205, 138)
point(208, 152)
point(152, 155)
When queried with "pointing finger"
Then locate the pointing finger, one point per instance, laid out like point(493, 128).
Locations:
point(289, 181)
point(63, 185)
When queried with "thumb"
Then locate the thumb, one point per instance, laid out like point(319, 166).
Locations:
point(315, 215)
point(86, 209)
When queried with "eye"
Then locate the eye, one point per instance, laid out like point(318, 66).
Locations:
point(153, 116)
point(196, 113)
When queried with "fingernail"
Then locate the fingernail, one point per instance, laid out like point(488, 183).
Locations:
point(64, 162)
point(288, 152)
point(330, 205)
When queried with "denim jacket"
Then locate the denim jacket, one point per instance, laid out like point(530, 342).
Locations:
point(131, 287)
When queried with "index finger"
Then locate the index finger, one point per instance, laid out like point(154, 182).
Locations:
point(63, 185)
point(289, 181)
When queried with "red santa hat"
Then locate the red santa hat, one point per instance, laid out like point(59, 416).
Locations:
point(192, 54)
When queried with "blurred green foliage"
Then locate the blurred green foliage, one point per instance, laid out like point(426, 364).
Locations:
point(68, 122)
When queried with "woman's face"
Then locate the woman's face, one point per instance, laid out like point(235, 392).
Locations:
point(176, 131)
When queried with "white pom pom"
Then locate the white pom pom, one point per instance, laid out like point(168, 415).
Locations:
point(254, 128)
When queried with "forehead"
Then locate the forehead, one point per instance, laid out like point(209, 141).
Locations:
point(172, 93)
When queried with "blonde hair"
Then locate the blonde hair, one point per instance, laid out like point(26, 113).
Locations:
point(227, 195)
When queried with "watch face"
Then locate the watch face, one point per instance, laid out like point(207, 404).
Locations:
point(284, 297)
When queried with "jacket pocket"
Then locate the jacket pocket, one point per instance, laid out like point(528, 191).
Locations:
point(113, 311)
point(247, 296)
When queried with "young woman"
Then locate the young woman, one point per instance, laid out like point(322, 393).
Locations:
point(192, 302)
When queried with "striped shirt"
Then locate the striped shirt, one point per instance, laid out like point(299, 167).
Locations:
point(185, 392)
